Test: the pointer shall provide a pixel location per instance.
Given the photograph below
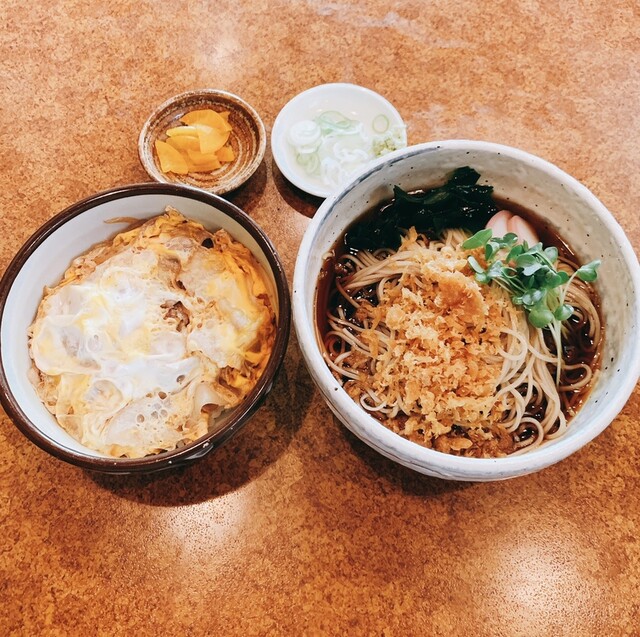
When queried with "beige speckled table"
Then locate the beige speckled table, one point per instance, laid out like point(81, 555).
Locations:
point(295, 527)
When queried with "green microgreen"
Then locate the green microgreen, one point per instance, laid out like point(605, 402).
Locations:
point(530, 275)
point(588, 272)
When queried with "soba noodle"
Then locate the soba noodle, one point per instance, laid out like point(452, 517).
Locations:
point(447, 362)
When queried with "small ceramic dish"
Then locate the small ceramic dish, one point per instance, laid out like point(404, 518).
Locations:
point(44, 258)
point(247, 139)
point(376, 114)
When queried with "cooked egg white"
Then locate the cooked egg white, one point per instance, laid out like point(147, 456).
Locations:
point(149, 337)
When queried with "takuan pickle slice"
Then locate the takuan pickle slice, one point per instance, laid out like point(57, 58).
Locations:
point(199, 144)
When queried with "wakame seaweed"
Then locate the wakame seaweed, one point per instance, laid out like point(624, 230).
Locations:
point(459, 203)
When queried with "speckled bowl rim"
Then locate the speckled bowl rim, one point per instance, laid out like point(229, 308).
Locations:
point(168, 105)
point(385, 441)
point(204, 445)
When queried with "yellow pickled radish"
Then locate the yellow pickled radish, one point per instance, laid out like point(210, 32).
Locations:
point(182, 130)
point(199, 143)
point(171, 161)
point(204, 168)
point(184, 142)
point(225, 154)
point(196, 158)
point(207, 117)
point(211, 139)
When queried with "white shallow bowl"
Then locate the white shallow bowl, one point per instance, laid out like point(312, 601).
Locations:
point(352, 101)
point(42, 261)
point(569, 207)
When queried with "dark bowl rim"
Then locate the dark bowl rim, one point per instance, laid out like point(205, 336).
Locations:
point(237, 418)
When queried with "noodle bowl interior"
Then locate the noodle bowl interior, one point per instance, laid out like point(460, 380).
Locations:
point(445, 359)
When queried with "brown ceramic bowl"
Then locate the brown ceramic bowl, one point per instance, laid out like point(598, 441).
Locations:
point(248, 139)
point(48, 253)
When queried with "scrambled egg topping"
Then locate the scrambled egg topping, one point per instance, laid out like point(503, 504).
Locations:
point(151, 336)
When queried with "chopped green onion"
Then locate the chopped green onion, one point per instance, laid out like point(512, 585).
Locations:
point(380, 123)
point(333, 147)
